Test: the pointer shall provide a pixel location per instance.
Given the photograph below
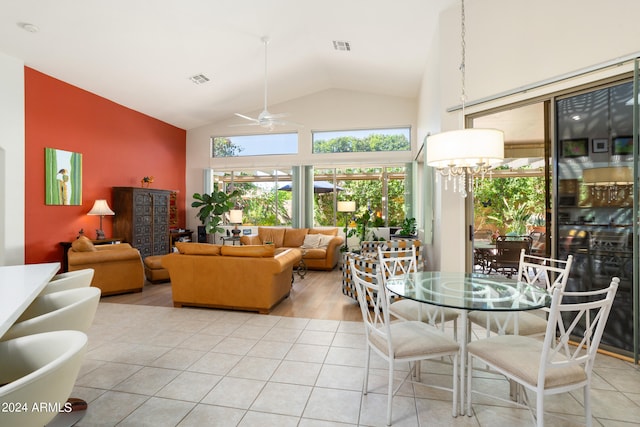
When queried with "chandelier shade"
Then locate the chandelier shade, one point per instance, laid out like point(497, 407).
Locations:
point(466, 148)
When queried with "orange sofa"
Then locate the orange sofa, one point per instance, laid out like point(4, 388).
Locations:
point(117, 268)
point(320, 246)
point(252, 278)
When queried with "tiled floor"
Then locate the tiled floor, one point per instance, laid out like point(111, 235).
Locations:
point(160, 366)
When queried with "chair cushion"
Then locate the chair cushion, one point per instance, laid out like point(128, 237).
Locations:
point(407, 309)
point(83, 244)
point(294, 237)
point(520, 356)
point(411, 339)
point(528, 323)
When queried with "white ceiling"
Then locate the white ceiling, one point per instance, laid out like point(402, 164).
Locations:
point(141, 53)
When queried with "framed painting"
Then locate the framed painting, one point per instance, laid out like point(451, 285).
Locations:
point(623, 145)
point(63, 177)
point(600, 145)
point(575, 147)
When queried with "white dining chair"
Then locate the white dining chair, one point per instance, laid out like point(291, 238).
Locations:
point(534, 270)
point(73, 309)
point(400, 262)
point(38, 370)
point(553, 365)
point(69, 280)
point(401, 341)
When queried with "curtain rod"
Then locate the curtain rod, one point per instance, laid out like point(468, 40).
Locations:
point(611, 63)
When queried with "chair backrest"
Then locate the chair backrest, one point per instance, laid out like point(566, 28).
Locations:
point(374, 303)
point(69, 280)
point(397, 262)
point(548, 272)
point(73, 309)
point(38, 369)
point(575, 314)
point(509, 247)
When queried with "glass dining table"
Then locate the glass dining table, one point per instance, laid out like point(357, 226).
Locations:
point(469, 292)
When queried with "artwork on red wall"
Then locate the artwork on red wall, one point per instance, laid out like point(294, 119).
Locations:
point(63, 177)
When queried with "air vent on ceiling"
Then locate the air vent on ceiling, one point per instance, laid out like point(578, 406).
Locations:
point(341, 45)
point(199, 79)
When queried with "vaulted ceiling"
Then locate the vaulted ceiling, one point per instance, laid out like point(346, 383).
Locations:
point(142, 53)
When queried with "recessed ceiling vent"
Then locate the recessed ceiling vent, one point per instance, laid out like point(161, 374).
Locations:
point(341, 45)
point(199, 79)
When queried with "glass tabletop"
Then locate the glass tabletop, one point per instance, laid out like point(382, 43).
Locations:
point(469, 291)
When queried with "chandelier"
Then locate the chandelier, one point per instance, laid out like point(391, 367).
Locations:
point(460, 154)
point(609, 184)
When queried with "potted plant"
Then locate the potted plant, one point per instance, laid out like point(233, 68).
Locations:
point(213, 207)
point(408, 229)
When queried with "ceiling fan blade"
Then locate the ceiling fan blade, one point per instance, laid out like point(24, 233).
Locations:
point(244, 124)
point(270, 116)
point(247, 117)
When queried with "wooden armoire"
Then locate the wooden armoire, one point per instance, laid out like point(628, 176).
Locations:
point(142, 218)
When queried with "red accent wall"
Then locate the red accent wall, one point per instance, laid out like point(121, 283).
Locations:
point(119, 146)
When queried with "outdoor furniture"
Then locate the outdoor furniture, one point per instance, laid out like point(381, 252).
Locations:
point(507, 257)
point(551, 366)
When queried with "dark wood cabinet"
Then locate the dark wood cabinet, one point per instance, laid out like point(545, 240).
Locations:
point(142, 218)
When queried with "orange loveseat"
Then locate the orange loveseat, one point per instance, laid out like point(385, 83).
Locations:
point(320, 246)
point(117, 268)
point(250, 278)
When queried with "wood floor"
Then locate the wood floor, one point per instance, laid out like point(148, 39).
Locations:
point(317, 296)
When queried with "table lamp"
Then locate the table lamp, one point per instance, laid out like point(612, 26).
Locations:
point(100, 207)
point(346, 207)
point(235, 217)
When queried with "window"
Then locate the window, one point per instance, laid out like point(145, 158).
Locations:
point(262, 203)
point(254, 145)
point(267, 196)
point(376, 189)
point(355, 141)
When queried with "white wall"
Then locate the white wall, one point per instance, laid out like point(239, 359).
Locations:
point(327, 110)
point(12, 147)
point(510, 44)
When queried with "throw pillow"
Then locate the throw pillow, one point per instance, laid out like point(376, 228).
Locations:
point(294, 237)
point(83, 244)
point(311, 241)
point(191, 248)
point(324, 240)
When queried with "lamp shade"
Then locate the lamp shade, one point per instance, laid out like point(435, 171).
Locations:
point(346, 206)
point(465, 148)
point(100, 207)
point(608, 176)
point(235, 216)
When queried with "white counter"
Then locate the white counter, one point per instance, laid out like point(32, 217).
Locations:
point(19, 285)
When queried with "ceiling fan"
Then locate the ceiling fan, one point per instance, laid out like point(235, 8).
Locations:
point(265, 118)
